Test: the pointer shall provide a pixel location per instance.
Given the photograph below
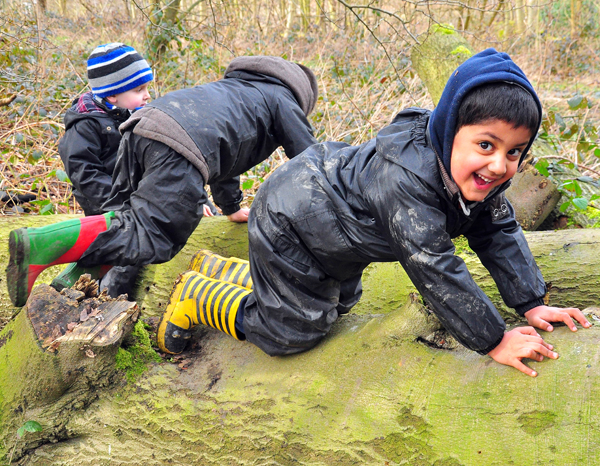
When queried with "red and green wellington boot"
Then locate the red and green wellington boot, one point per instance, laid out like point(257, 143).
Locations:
point(32, 250)
point(72, 272)
point(196, 299)
point(231, 269)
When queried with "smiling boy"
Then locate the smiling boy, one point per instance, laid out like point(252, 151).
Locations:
point(318, 221)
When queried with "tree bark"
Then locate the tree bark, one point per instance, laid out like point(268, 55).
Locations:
point(373, 391)
point(55, 356)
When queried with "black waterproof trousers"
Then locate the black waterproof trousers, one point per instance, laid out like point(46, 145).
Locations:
point(295, 300)
point(157, 196)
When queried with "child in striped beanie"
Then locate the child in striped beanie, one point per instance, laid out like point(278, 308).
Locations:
point(119, 79)
point(119, 76)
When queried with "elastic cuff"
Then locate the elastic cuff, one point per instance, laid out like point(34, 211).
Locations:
point(521, 310)
point(230, 209)
point(491, 347)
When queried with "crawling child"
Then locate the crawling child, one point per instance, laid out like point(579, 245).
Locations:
point(428, 177)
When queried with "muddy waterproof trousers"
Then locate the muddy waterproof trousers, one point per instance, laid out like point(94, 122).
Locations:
point(157, 196)
point(294, 301)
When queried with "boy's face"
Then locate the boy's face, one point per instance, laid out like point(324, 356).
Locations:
point(132, 98)
point(485, 156)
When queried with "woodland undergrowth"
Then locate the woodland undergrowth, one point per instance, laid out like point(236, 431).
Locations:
point(363, 71)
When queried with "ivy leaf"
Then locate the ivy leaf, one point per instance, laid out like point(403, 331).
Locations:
point(560, 122)
point(29, 426)
point(542, 167)
point(564, 206)
point(48, 209)
point(575, 102)
point(247, 184)
point(580, 202)
point(34, 156)
point(62, 176)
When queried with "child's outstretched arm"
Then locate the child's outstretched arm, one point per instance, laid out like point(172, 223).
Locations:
point(519, 343)
point(541, 317)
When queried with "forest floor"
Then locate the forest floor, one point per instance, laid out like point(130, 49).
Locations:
point(361, 88)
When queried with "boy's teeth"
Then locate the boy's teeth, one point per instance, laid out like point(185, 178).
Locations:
point(484, 178)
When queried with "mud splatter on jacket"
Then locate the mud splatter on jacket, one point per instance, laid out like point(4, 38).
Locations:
point(382, 201)
point(320, 219)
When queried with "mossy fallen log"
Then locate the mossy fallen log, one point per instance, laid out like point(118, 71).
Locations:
point(375, 391)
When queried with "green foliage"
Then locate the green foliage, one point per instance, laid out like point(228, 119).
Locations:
point(442, 28)
point(29, 426)
point(30, 126)
point(572, 131)
point(462, 50)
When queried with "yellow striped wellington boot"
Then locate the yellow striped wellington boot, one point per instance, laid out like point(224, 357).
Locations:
point(232, 269)
point(197, 299)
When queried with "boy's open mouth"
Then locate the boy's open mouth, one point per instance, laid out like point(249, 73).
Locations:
point(481, 180)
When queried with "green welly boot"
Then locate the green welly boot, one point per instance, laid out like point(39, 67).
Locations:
point(231, 269)
point(72, 272)
point(32, 250)
point(198, 299)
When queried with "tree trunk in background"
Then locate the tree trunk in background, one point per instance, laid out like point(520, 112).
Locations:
point(575, 12)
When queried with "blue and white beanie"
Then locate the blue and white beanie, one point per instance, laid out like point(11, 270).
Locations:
point(116, 68)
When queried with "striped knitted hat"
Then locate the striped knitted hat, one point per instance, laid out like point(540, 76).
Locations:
point(116, 68)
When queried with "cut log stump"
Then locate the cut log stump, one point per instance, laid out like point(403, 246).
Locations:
point(55, 356)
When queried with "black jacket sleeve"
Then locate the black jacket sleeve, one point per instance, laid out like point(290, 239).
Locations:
point(503, 250)
point(227, 195)
point(81, 150)
point(292, 128)
point(411, 218)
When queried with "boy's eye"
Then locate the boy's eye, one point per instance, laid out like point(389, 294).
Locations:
point(515, 153)
point(485, 146)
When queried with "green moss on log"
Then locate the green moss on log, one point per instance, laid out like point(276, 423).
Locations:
point(137, 352)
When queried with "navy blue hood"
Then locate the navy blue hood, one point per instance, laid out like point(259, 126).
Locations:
point(483, 68)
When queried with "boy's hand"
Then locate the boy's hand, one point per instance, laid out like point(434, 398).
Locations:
point(519, 343)
point(206, 211)
point(541, 316)
point(240, 216)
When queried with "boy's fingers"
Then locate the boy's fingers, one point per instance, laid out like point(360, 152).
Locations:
point(528, 331)
point(542, 324)
point(544, 351)
point(566, 318)
point(537, 340)
point(523, 368)
point(579, 317)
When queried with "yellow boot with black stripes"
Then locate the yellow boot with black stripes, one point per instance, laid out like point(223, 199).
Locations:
point(197, 299)
point(231, 269)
